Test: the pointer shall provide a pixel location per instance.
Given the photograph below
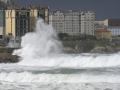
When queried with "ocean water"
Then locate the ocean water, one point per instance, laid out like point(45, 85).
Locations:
point(71, 73)
point(44, 66)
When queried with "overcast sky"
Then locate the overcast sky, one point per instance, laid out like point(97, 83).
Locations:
point(103, 8)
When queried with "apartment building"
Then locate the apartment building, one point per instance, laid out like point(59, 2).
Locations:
point(87, 22)
point(73, 22)
point(19, 21)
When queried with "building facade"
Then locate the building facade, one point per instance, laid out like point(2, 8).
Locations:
point(88, 23)
point(2, 22)
point(19, 21)
point(57, 20)
point(73, 22)
point(112, 25)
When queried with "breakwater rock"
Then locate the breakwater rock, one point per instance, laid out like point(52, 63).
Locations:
point(7, 57)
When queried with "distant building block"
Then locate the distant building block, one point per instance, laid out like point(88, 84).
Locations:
point(103, 34)
point(19, 21)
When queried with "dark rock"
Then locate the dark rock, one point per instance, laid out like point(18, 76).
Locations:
point(8, 58)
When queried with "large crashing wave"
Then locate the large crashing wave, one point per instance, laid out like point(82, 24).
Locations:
point(40, 43)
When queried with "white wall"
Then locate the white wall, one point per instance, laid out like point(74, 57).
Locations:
point(1, 30)
point(73, 22)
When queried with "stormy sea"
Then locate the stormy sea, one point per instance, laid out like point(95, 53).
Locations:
point(44, 66)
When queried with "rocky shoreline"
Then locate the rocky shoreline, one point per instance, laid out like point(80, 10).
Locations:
point(75, 47)
point(89, 46)
point(7, 57)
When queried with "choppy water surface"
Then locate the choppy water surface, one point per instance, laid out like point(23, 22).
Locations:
point(72, 77)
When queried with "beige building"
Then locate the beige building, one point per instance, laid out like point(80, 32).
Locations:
point(19, 21)
point(10, 22)
point(103, 34)
point(74, 23)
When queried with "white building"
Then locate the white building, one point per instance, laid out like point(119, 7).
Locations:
point(87, 23)
point(1, 32)
point(115, 30)
point(57, 20)
point(73, 22)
